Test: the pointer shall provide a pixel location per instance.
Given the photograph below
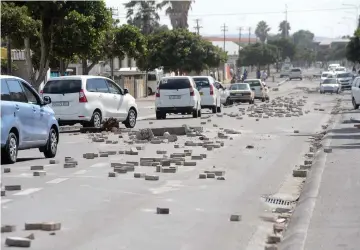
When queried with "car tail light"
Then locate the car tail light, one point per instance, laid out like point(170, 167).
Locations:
point(192, 92)
point(211, 89)
point(158, 92)
point(82, 96)
point(41, 93)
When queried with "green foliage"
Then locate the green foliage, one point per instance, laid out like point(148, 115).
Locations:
point(285, 46)
point(284, 29)
point(262, 30)
point(14, 67)
point(178, 12)
point(353, 48)
point(303, 39)
point(258, 55)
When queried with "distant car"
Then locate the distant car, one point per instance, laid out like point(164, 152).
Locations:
point(177, 95)
point(330, 85)
point(345, 79)
point(241, 92)
point(355, 93)
point(210, 96)
point(326, 74)
point(295, 73)
point(258, 85)
point(340, 69)
point(89, 100)
point(26, 120)
point(224, 93)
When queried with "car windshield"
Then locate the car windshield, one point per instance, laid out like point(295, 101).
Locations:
point(340, 69)
point(325, 75)
point(174, 83)
point(344, 75)
point(295, 70)
point(330, 81)
point(201, 82)
point(253, 83)
point(239, 87)
point(63, 86)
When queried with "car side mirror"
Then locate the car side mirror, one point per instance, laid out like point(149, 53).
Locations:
point(46, 100)
point(126, 91)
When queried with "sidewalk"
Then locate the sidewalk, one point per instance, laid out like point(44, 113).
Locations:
point(335, 222)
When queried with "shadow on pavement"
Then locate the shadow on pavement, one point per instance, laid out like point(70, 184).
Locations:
point(348, 146)
point(344, 131)
point(25, 159)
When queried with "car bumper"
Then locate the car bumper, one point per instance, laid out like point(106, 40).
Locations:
point(175, 110)
point(240, 98)
point(329, 90)
point(71, 119)
point(346, 86)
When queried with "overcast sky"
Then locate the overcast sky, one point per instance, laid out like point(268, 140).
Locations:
point(325, 18)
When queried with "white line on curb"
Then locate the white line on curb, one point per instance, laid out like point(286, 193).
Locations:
point(57, 180)
point(28, 191)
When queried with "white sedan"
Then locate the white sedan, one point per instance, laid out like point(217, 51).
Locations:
point(330, 85)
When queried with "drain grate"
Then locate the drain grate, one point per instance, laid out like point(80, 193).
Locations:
point(278, 201)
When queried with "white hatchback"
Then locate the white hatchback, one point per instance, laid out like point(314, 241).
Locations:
point(210, 95)
point(295, 73)
point(89, 100)
point(177, 95)
point(355, 93)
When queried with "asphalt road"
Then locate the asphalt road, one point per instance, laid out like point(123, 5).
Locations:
point(98, 212)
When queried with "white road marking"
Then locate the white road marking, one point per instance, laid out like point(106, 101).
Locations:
point(80, 172)
point(3, 201)
point(100, 165)
point(28, 191)
point(57, 180)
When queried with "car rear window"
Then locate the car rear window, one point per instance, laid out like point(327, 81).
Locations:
point(330, 81)
point(202, 82)
point(344, 75)
point(62, 86)
point(295, 70)
point(174, 83)
point(239, 87)
point(324, 75)
point(253, 83)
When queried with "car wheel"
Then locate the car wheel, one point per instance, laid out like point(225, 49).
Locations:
point(96, 119)
point(214, 109)
point(199, 113)
point(355, 105)
point(263, 99)
point(300, 79)
point(51, 144)
point(10, 151)
point(130, 121)
point(158, 116)
point(195, 113)
point(218, 109)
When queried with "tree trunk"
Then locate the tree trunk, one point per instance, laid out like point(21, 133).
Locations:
point(84, 67)
point(8, 45)
point(29, 66)
point(62, 67)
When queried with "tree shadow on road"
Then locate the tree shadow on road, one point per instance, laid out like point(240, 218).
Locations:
point(347, 130)
point(348, 146)
point(24, 159)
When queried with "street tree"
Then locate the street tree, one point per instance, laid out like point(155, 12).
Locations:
point(303, 39)
point(258, 55)
point(284, 29)
point(262, 30)
point(178, 12)
point(286, 48)
point(353, 47)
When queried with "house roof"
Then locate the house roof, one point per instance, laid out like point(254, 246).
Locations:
point(230, 47)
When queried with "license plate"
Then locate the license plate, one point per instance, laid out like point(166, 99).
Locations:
point(201, 93)
point(174, 97)
point(60, 104)
point(239, 94)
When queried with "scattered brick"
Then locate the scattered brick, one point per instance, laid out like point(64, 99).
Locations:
point(50, 226)
point(308, 162)
point(69, 165)
point(202, 176)
point(120, 170)
point(37, 168)
point(30, 237)
point(17, 242)
point(189, 163)
point(151, 177)
point(139, 175)
point(220, 178)
point(271, 247)
point(273, 238)
point(210, 175)
point(8, 228)
point(235, 217)
point(161, 152)
point(104, 155)
point(278, 227)
point(7, 170)
point(162, 210)
point(33, 226)
point(327, 150)
point(12, 187)
point(196, 157)
point(3, 192)
point(249, 146)
point(296, 131)
point(39, 173)
point(112, 174)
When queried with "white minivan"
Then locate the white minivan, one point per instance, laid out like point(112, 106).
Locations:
point(210, 95)
point(355, 93)
point(177, 95)
point(89, 100)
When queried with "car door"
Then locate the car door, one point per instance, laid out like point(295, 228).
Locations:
point(40, 129)
point(104, 97)
point(7, 112)
point(23, 112)
point(121, 103)
point(356, 90)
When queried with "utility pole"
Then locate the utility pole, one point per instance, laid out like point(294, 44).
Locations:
point(197, 27)
point(286, 21)
point(240, 30)
point(224, 29)
point(114, 14)
point(249, 35)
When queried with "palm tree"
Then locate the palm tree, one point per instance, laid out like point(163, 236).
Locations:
point(178, 12)
point(284, 28)
point(262, 30)
point(145, 18)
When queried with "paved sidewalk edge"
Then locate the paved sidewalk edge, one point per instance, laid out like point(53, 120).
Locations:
point(283, 81)
point(296, 233)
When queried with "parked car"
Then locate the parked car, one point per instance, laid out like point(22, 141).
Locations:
point(177, 95)
point(26, 120)
point(210, 96)
point(89, 100)
point(224, 93)
point(258, 86)
point(330, 85)
point(295, 73)
point(355, 92)
point(340, 69)
point(345, 79)
point(241, 92)
point(326, 74)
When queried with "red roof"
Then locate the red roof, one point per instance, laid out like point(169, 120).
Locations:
point(229, 39)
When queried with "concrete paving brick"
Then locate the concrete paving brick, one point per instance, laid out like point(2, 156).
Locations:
point(177, 155)
point(216, 172)
point(278, 227)
point(299, 173)
point(135, 163)
point(7, 170)
point(50, 226)
point(210, 175)
point(69, 165)
point(176, 146)
point(165, 163)
point(111, 152)
point(271, 247)
point(139, 175)
point(327, 150)
point(104, 155)
point(112, 174)
point(162, 210)
point(39, 173)
point(146, 163)
point(3, 192)
point(12, 187)
point(158, 168)
point(273, 238)
point(33, 226)
point(151, 177)
point(38, 167)
point(108, 142)
point(168, 169)
point(203, 156)
point(310, 155)
point(140, 147)
point(17, 242)
point(54, 161)
point(120, 170)
point(196, 157)
point(8, 228)
point(235, 217)
point(305, 167)
point(161, 152)
point(308, 162)
point(202, 176)
point(121, 152)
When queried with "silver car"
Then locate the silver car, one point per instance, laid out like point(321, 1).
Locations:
point(345, 79)
point(241, 92)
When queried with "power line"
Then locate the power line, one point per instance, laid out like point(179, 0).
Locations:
point(197, 27)
point(224, 29)
point(255, 13)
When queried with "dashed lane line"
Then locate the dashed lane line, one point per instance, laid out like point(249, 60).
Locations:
point(57, 180)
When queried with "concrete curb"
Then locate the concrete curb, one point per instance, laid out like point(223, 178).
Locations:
point(296, 233)
point(282, 82)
